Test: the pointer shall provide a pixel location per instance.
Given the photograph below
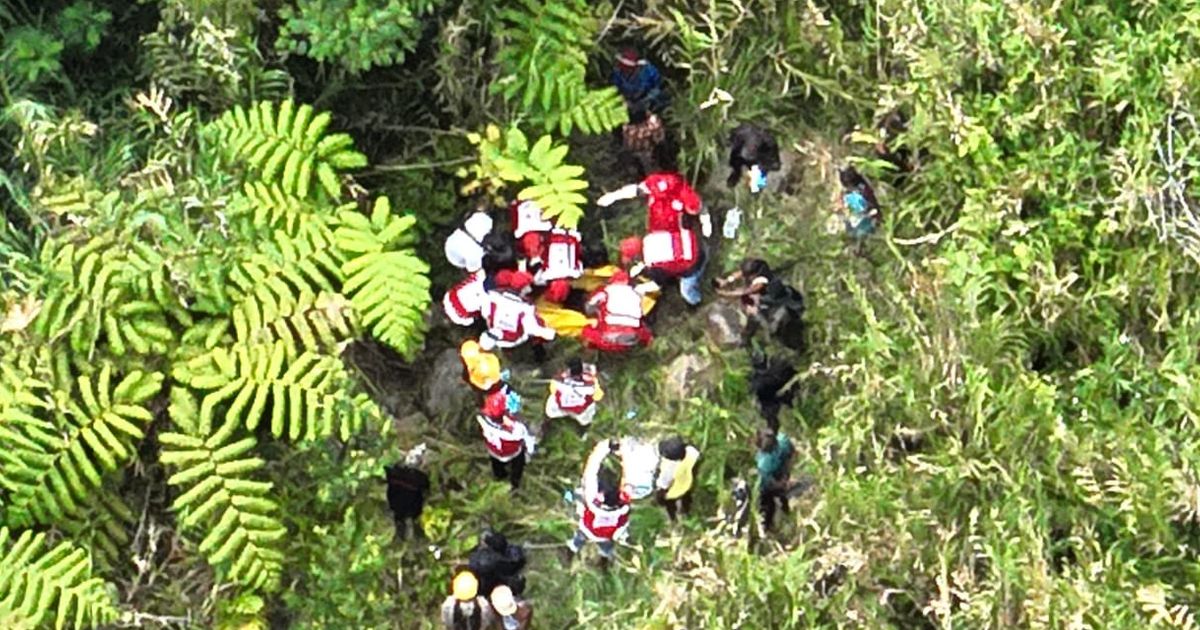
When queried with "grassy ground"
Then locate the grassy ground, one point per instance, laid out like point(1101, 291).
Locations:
point(666, 568)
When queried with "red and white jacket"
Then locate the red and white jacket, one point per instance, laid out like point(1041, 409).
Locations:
point(465, 300)
point(619, 305)
point(505, 439)
point(526, 217)
point(599, 522)
point(675, 252)
point(575, 395)
point(562, 256)
point(511, 320)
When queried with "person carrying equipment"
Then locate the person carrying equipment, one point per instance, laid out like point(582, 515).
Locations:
point(407, 486)
point(618, 310)
point(604, 513)
point(480, 368)
point(575, 392)
point(509, 442)
point(464, 609)
point(512, 613)
point(751, 146)
point(560, 261)
point(639, 81)
point(511, 318)
point(774, 463)
point(676, 468)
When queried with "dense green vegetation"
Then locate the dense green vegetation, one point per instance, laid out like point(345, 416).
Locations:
point(222, 228)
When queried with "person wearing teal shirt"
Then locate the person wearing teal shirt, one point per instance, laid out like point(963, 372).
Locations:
point(774, 462)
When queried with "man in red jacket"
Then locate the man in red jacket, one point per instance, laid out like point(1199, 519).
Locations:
point(509, 442)
point(669, 197)
point(668, 255)
point(604, 515)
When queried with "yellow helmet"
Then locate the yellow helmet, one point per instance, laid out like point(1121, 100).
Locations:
point(466, 586)
point(486, 371)
point(469, 349)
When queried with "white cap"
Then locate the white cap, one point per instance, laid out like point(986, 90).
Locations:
point(478, 225)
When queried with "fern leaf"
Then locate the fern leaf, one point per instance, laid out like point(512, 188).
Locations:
point(242, 529)
point(285, 149)
point(388, 285)
point(39, 584)
point(58, 464)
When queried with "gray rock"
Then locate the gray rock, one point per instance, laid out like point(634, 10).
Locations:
point(724, 324)
point(685, 376)
point(445, 392)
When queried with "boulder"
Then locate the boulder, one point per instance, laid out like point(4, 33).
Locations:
point(724, 324)
point(685, 376)
point(445, 392)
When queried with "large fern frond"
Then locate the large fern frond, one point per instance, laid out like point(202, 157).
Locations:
point(241, 528)
point(552, 184)
point(38, 585)
point(308, 398)
point(387, 283)
point(52, 468)
point(287, 145)
point(544, 62)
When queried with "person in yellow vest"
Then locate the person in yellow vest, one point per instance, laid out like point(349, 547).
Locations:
point(480, 368)
point(676, 475)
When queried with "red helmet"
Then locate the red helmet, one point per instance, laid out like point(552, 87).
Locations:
point(520, 280)
point(494, 404)
point(630, 248)
point(628, 57)
point(620, 277)
point(504, 279)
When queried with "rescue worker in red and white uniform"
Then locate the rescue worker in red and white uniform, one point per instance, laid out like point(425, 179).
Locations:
point(511, 318)
point(509, 442)
point(618, 310)
point(464, 302)
point(574, 393)
point(560, 262)
point(464, 249)
point(604, 515)
point(669, 199)
point(529, 227)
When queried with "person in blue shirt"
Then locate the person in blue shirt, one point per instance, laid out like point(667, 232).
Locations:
point(774, 462)
point(861, 208)
point(639, 82)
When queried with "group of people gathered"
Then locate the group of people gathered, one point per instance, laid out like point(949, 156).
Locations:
point(533, 280)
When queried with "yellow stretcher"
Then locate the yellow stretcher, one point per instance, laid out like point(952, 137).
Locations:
point(570, 323)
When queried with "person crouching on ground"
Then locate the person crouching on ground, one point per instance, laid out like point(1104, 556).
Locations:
point(574, 393)
point(619, 323)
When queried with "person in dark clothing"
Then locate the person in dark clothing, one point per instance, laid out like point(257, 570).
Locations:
point(767, 382)
point(774, 462)
point(889, 148)
point(496, 561)
point(749, 146)
point(407, 488)
point(768, 302)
